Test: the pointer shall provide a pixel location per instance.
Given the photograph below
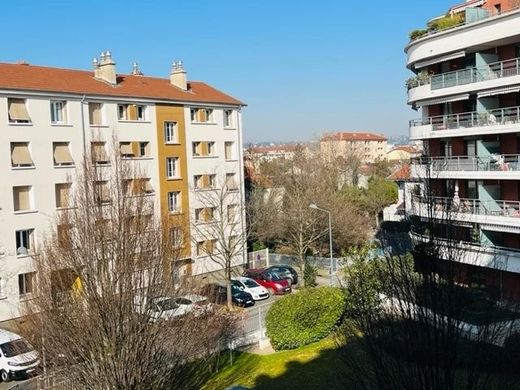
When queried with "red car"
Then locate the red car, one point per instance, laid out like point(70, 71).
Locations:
point(270, 280)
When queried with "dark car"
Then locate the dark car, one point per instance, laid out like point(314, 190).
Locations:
point(285, 271)
point(217, 293)
point(274, 283)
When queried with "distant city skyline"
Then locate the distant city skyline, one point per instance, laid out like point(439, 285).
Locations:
point(302, 70)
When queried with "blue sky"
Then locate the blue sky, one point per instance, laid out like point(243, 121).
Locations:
point(303, 67)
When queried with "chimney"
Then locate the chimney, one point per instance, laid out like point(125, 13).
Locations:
point(178, 75)
point(135, 70)
point(105, 69)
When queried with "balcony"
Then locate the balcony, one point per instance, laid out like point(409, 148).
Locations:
point(494, 215)
point(466, 123)
point(480, 34)
point(494, 166)
point(495, 257)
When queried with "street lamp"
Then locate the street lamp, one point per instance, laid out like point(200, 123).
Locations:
point(313, 206)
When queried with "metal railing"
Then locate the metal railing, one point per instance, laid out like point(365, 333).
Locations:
point(493, 162)
point(495, 117)
point(501, 208)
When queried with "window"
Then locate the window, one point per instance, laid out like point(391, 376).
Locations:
point(17, 111)
point(138, 186)
point(231, 182)
point(228, 118)
point(64, 235)
point(172, 170)
point(99, 153)
point(232, 212)
point(62, 191)
point(170, 132)
point(201, 115)
point(24, 241)
point(26, 283)
point(131, 112)
point(203, 149)
point(204, 181)
point(22, 198)
point(177, 237)
point(58, 112)
point(174, 202)
point(229, 150)
point(101, 192)
point(144, 149)
point(205, 248)
point(94, 114)
point(196, 148)
point(126, 150)
point(20, 155)
point(61, 153)
point(211, 148)
point(204, 214)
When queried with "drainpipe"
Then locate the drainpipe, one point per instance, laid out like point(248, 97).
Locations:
point(241, 176)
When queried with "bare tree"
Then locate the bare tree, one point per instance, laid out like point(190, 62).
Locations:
point(416, 325)
point(101, 273)
point(282, 215)
point(218, 230)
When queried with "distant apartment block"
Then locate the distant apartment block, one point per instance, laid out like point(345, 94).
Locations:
point(368, 147)
point(184, 136)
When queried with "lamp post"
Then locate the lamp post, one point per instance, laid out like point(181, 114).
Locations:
point(313, 206)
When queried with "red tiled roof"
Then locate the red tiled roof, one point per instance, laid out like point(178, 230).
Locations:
point(44, 79)
point(353, 136)
point(462, 6)
point(405, 148)
point(401, 174)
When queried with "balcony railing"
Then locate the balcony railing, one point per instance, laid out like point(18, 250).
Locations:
point(492, 71)
point(498, 116)
point(501, 208)
point(494, 162)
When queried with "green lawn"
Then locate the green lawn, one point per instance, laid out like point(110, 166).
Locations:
point(314, 366)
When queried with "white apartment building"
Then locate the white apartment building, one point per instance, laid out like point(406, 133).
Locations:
point(50, 118)
point(368, 147)
point(467, 91)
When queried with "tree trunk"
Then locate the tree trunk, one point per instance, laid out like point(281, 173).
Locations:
point(228, 288)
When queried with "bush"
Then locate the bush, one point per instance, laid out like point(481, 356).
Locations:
point(416, 34)
point(309, 275)
point(446, 22)
point(303, 318)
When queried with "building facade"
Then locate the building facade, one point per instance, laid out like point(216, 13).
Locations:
point(469, 103)
point(174, 132)
point(368, 147)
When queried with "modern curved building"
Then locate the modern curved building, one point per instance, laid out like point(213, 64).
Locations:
point(466, 89)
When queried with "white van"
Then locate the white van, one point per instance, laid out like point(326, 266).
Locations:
point(17, 356)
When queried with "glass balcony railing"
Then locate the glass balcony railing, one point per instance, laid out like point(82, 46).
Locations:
point(499, 116)
point(502, 208)
point(493, 162)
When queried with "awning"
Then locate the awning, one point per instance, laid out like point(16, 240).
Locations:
point(20, 155)
point(126, 148)
point(444, 99)
point(499, 91)
point(62, 154)
point(436, 60)
point(18, 111)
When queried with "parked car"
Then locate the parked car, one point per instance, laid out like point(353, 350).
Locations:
point(217, 293)
point(17, 357)
point(248, 285)
point(285, 271)
point(164, 308)
point(273, 282)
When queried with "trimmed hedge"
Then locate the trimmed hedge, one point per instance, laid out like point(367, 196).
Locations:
point(305, 317)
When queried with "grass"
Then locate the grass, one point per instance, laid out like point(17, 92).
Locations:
point(314, 366)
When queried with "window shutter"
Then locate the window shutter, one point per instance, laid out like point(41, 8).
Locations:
point(22, 198)
point(18, 111)
point(94, 111)
point(132, 112)
point(99, 153)
point(20, 155)
point(62, 154)
point(126, 149)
